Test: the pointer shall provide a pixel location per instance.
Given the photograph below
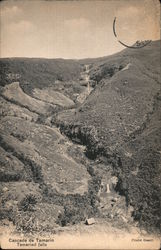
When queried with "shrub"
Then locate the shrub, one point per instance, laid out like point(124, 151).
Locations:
point(27, 204)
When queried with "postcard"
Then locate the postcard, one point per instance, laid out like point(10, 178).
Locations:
point(80, 124)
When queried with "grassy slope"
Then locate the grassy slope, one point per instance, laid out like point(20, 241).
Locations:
point(40, 72)
point(14, 93)
point(123, 112)
point(52, 97)
point(16, 142)
point(62, 75)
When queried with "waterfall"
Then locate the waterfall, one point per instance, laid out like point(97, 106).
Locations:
point(87, 77)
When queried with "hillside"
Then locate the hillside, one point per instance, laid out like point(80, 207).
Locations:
point(121, 121)
point(39, 71)
point(62, 75)
point(81, 139)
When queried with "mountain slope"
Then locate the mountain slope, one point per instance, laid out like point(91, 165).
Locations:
point(39, 71)
point(111, 105)
point(121, 120)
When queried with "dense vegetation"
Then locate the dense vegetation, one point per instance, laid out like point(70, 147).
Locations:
point(124, 112)
point(37, 72)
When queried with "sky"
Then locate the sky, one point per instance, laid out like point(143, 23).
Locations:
point(74, 29)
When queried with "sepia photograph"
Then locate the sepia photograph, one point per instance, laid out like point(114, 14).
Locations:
point(80, 124)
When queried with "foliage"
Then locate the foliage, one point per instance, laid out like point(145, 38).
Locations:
point(28, 203)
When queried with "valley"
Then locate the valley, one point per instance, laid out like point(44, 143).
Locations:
point(80, 140)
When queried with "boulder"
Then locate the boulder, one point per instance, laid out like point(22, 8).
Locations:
point(90, 221)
